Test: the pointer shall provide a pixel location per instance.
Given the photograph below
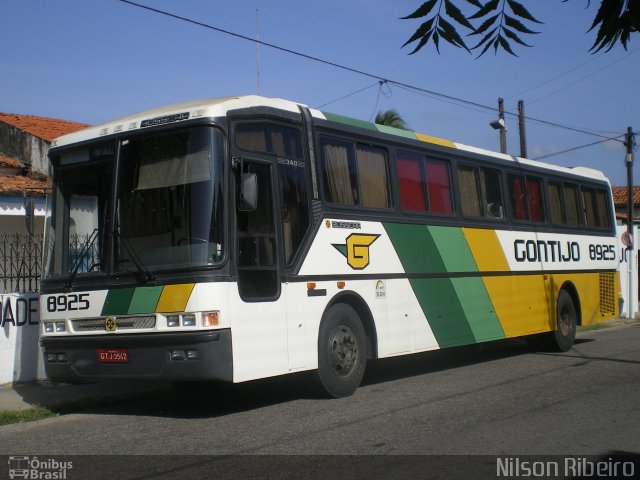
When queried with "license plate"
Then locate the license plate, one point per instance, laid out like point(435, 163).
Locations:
point(113, 355)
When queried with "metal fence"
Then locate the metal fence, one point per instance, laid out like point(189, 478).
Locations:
point(20, 263)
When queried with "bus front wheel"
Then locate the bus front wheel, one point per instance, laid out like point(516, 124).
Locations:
point(341, 351)
point(566, 320)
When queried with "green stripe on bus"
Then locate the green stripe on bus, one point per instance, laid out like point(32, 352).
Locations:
point(144, 300)
point(349, 121)
point(443, 310)
point(459, 310)
point(396, 131)
point(117, 301)
point(471, 292)
point(478, 308)
point(419, 252)
point(415, 247)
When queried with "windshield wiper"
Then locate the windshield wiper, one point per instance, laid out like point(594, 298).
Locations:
point(147, 276)
point(80, 258)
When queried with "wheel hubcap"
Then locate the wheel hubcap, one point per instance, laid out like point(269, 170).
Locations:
point(344, 350)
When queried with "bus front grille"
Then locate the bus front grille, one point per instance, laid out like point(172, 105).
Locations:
point(122, 323)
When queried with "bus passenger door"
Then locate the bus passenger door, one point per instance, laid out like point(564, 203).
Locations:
point(259, 324)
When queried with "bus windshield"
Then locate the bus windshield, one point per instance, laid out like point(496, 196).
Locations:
point(166, 214)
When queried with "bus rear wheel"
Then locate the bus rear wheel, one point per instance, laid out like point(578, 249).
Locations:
point(341, 351)
point(566, 320)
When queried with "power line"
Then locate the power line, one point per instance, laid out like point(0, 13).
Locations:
point(348, 95)
point(440, 96)
point(577, 148)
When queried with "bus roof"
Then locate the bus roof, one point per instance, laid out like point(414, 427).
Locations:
point(219, 107)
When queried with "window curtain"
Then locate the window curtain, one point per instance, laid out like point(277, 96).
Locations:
point(338, 181)
point(469, 194)
point(555, 204)
point(372, 170)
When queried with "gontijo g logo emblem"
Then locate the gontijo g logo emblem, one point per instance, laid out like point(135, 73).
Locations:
point(356, 249)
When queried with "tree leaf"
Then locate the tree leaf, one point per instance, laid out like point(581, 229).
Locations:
point(486, 38)
point(505, 45)
point(513, 23)
point(436, 41)
point(422, 10)
point(451, 35)
point(422, 42)
point(420, 32)
point(486, 24)
point(475, 3)
point(522, 12)
point(514, 37)
point(490, 6)
point(455, 13)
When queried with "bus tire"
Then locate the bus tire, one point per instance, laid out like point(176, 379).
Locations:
point(342, 351)
point(562, 338)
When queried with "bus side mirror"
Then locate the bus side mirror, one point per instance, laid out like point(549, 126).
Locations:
point(248, 201)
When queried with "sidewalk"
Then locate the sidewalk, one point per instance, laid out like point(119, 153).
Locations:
point(49, 394)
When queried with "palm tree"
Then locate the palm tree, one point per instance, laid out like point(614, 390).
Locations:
point(391, 118)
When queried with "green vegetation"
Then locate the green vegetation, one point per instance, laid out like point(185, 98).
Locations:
point(18, 416)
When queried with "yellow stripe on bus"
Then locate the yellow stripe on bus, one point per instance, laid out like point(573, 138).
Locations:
point(174, 298)
point(435, 140)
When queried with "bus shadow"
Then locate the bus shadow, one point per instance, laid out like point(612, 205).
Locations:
point(209, 400)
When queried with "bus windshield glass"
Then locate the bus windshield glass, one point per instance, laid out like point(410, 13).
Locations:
point(166, 214)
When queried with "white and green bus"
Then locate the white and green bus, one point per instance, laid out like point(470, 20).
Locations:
point(242, 238)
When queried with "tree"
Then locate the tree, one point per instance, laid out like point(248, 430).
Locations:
point(499, 23)
point(391, 118)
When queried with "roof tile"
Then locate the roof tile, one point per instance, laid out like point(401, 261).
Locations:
point(21, 184)
point(620, 196)
point(41, 127)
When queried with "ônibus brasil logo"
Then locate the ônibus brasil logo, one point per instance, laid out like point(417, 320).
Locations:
point(35, 468)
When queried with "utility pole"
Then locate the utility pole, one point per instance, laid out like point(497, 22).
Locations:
point(523, 133)
point(503, 130)
point(501, 126)
point(628, 161)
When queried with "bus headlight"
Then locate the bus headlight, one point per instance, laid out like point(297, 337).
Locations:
point(61, 327)
point(189, 320)
point(48, 327)
point(173, 321)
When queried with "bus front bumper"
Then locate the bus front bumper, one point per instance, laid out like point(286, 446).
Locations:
point(184, 356)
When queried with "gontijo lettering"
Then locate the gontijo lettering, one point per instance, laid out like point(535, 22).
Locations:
point(546, 251)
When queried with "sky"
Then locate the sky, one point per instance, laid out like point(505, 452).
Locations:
point(95, 60)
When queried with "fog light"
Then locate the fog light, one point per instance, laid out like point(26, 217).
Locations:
point(210, 319)
point(193, 355)
point(173, 321)
point(61, 327)
point(189, 320)
point(48, 327)
point(177, 355)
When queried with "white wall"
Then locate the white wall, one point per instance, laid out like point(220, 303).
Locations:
point(624, 275)
point(20, 356)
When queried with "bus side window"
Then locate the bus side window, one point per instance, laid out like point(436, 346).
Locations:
point(480, 192)
point(355, 174)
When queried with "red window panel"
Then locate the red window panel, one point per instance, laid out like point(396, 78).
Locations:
point(534, 195)
point(410, 184)
point(518, 198)
point(439, 187)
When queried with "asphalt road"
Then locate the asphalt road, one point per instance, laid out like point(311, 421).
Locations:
point(500, 399)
